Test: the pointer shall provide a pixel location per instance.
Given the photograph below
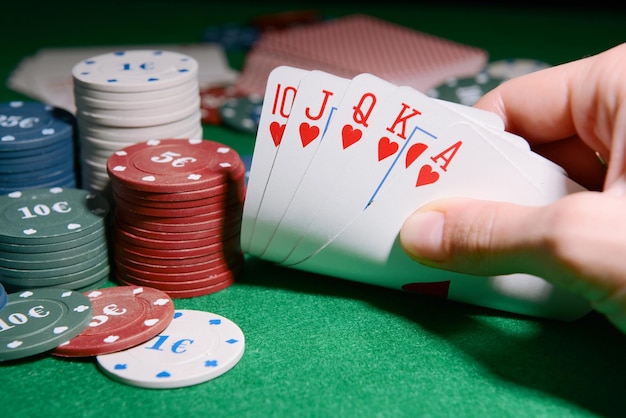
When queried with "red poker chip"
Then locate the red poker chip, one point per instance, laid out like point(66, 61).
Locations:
point(181, 281)
point(184, 264)
point(132, 214)
point(187, 293)
point(166, 286)
point(225, 246)
point(133, 239)
point(177, 225)
point(235, 186)
point(217, 208)
point(211, 99)
point(169, 273)
point(129, 197)
point(124, 316)
point(174, 165)
point(218, 264)
point(223, 231)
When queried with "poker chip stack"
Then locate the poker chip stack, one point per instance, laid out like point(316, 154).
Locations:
point(469, 89)
point(4, 297)
point(53, 238)
point(221, 105)
point(127, 97)
point(178, 215)
point(36, 146)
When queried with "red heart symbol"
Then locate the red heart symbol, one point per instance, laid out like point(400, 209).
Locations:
point(386, 148)
point(277, 130)
point(308, 133)
point(426, 176)
point(414, 152)
point(349, 135)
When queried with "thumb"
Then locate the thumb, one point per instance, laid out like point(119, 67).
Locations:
point(473, 236)
point(573, 242)
point(576, 242)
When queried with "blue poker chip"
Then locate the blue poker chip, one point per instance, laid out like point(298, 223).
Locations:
point(43, 150)
point(27, 177)
point(61, 158)
point(4, 298)
point(247, 161)
point(63, 179)
point(28, 125)
point(231, 36)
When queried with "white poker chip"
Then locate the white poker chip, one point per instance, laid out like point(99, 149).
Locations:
point(196, 347)
point(126, 97)
point(122, 118)
point(123, 96)
point(135, 71)
point(105, 135)
point(87, 103)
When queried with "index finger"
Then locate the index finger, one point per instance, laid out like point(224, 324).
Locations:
point(575, 99)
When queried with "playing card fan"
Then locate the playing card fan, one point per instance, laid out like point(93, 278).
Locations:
point(340, 163)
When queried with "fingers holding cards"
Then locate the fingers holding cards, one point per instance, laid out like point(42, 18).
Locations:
point(339, 164)
point(406, 124)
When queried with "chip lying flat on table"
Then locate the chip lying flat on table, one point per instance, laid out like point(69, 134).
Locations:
point(124, 316)
point(35, 321)
point(196, 347)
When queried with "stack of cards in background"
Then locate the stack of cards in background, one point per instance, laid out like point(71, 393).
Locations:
point(37, 144)
point(356, 44)
point(339, 164)
point(53, 238)
point(178, 215)
point(127, 97)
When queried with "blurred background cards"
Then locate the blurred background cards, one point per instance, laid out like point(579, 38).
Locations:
point(357, 44)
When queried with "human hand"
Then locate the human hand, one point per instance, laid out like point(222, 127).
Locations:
point(570, 114)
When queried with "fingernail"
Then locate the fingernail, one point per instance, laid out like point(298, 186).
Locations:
point(422, 235)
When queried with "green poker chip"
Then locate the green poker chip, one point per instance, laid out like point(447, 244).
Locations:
point(466, 90)
point(45, 216)
point(43, 249)
point(67, 281)
point(92, 281)
point(38, 320)
point(67, 269)
point(242, 113)
point(35, 261)
point(514, 67)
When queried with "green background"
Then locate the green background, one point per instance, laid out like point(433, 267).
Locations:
point(323, 347)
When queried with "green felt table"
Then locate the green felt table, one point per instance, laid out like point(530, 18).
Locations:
point(325, 347)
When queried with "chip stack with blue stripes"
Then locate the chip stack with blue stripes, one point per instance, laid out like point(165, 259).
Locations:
point(126, 97)
point(37, 144)
point(53, 237)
